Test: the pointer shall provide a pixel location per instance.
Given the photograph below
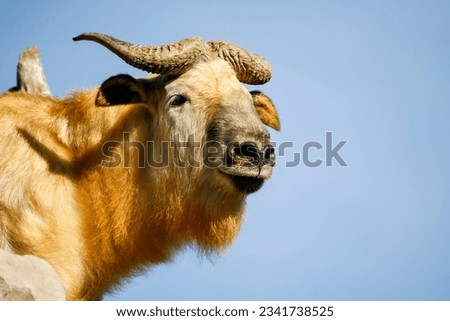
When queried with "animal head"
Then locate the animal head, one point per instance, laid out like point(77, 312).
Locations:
point(198, 105)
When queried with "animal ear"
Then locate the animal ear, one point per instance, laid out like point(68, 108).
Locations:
point(266, 109)
point(120, 90)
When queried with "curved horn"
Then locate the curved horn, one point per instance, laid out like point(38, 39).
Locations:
point(173, 59)
point(250, 68)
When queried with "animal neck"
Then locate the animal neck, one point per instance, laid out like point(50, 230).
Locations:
point(129, 226)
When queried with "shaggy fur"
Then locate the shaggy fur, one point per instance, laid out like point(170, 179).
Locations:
point(97, 223)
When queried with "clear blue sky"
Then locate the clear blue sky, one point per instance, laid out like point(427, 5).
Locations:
point(376, 74)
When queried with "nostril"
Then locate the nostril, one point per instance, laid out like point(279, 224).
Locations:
point(269, 154)
point(247, 150)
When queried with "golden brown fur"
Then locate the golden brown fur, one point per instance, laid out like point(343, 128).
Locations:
point(97, 224)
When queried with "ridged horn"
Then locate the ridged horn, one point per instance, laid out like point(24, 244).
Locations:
point(250, 68)
point(173, 59)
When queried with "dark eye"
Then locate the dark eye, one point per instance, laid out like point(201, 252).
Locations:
point(177, 101)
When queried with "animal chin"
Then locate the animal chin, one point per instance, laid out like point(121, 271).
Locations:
point(247, 184)
point(246, 180)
